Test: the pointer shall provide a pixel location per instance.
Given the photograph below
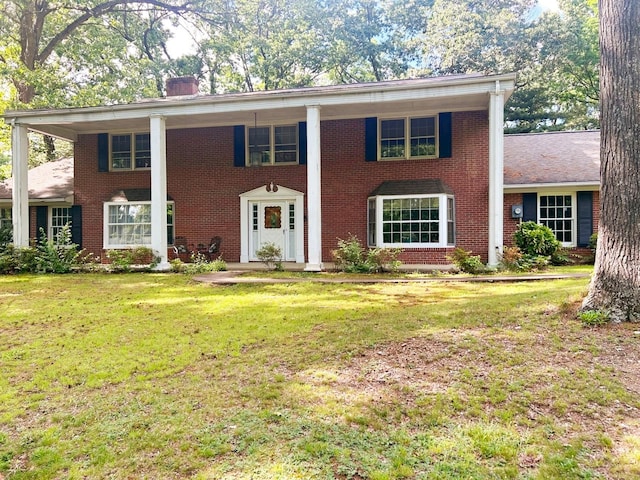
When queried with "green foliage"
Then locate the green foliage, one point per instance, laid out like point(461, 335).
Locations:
point(593, 241)
point(535, 239)
point(593, 318)
point(352, 257)
point(124, 260)
point(59, 255)
point(199, 264)
point(466, 262)
point(271, 255)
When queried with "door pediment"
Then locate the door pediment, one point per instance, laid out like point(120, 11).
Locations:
point(268, 192)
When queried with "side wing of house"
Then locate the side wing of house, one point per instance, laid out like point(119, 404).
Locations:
point(553, 179)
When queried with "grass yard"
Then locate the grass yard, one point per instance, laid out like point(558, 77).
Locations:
point(154, 376)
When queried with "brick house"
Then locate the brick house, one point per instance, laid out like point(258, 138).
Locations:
point(412, 163)
point(553, 179)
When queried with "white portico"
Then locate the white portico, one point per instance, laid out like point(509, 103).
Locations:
point(301, 212)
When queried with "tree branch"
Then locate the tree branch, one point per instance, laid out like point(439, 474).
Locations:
point(97, 11)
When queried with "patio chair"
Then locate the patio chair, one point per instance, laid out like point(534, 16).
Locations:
point(211, 249)
point(180, 246)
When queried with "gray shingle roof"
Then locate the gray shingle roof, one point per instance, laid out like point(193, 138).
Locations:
point(49, 181)
point(554, 157)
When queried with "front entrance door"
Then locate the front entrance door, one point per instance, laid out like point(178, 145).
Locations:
point(273, 222)
point(272, 215)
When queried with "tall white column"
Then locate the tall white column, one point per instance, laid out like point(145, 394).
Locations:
point(20, 194)
point(314, 197)
point(496, 175)
point(158, 137)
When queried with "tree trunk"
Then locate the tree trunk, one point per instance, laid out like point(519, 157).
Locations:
point(615, 287)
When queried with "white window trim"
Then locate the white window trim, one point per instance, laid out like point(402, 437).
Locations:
point(442, 221)
point(574, 213)
point(50, 234)
point(105, 225)
point(272, 145)
point(407, 138)
point(133, 152)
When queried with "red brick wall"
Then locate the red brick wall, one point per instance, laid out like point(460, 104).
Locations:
point(206, 186)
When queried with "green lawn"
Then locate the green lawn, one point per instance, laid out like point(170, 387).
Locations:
point(154, 376)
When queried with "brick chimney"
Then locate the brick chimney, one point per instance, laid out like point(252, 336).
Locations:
point(182, 86)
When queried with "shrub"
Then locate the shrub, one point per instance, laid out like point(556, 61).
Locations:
point(271, 255)
point(199, 264)
point(124, 260)
point(466, 262)
point(511, 259)
point(535, 239)
point(352, 257)
point(593, 241)
point(57, 256)
point(6, 237)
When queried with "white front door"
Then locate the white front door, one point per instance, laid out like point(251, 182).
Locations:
point(274, 215)
point(273, 222)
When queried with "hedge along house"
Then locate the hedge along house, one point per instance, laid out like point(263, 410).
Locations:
point(51, 200)
point(412, 163)
point(553, 179)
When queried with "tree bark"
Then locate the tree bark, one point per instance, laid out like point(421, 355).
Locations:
point(615, 287)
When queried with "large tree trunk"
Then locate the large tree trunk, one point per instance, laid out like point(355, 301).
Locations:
point(615, 288)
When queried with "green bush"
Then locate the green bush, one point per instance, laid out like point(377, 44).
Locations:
point(271, 255)
point(465, 262)
point(352, 257)
point(57, 256)
point(593, 241)
point(124, 260)
point(6, 237)
point(535, 239)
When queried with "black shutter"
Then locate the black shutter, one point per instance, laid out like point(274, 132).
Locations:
point(371, 139)
point(444, 135)
point(239, 155)
point(42, 222)
point(302, 143)
point(585, 218)
point(529, 207)
point(76, 225)
point(103, 152)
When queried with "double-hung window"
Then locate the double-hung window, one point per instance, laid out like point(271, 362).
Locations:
point(5, 219)
point(558, 213)
point(128, 224)
point(415, 221)
point(404, 138)
point(130, 151)
point(273, 145)
point(58, 218)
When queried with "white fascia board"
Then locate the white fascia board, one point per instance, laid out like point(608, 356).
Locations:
point(260, 101)
point(566, 186)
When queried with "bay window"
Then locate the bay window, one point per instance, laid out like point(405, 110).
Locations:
point(128, 224)
point(414, 221)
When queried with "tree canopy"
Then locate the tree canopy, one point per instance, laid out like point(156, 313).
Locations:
point(58, 53)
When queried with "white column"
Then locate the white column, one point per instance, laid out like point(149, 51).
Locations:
point(496, 174)
point(314, 197)
point(20, 194)
point(158, 137)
